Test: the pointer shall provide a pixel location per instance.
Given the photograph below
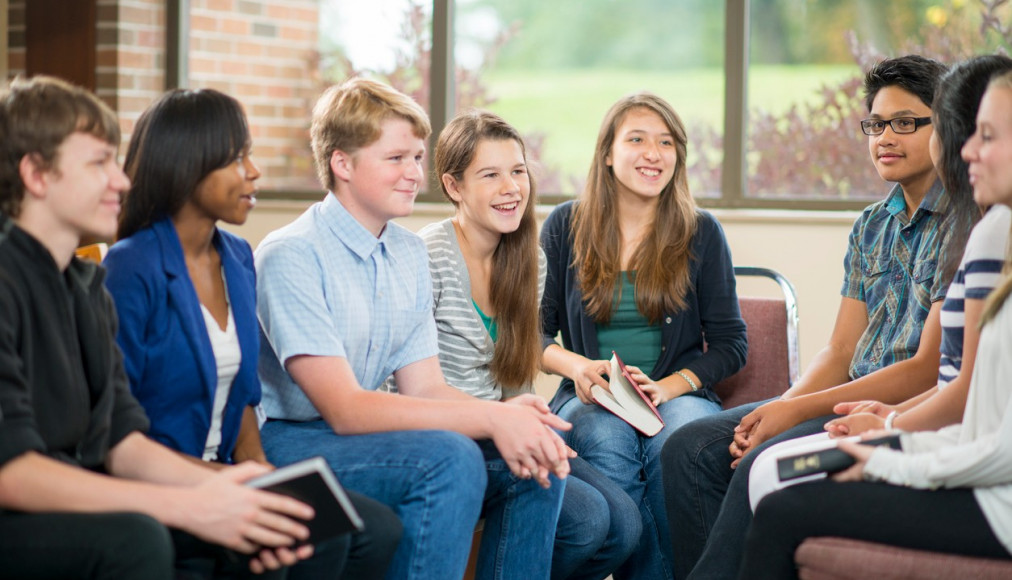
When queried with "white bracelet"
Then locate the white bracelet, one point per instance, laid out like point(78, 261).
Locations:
point(688, 379)
point(889, 420)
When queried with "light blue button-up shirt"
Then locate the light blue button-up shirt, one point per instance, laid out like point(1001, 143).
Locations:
point(327, 287)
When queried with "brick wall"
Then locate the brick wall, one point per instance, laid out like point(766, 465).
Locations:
point(130, 59)
point(262, 52)
point(15, 37)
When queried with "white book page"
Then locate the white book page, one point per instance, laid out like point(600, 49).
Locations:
point(635, 410)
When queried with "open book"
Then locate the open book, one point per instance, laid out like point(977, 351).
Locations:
point(312, 482)
point(627, 400)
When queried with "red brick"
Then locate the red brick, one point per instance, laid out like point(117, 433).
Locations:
point(220, 5)
point(234, 26)
point(135, 15)
point(151, 38)
point(216, 45)
point(292, 11)
point(136, 59)
point(15, 15)
point(251, 7)
point(244, 88)
point(259, 110)
point(106, 13)
point(105, 57)
point(203, 23)
point(281, 91)
point(301, 35)
point(203, 65)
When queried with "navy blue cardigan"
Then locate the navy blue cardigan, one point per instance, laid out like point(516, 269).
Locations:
point(167, 353)
point(712, 314)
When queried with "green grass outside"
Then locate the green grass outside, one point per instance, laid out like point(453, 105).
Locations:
point(567, 106)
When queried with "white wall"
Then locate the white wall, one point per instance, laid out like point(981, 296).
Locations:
point(806, 247)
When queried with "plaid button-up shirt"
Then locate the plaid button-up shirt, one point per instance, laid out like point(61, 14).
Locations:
point(894, 265)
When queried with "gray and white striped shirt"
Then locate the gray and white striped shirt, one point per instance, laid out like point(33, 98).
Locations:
point(465, 347)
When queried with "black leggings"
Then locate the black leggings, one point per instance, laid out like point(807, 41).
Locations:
point(948, 521)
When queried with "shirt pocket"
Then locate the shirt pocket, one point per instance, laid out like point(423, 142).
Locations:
point(877, 279)
point(924, 277)
point(924, 271)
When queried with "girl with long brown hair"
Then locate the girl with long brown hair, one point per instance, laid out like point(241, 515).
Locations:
point(488, 274)
point(635, 267)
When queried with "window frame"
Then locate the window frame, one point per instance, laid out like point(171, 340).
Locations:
point(733, 169)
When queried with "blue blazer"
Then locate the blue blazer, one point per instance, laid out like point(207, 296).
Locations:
point(166, 350)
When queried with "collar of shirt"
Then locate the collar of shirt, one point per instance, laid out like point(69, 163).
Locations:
point(352, 234)
point(935, 201)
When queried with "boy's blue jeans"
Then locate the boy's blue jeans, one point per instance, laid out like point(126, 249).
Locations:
point(437, 483)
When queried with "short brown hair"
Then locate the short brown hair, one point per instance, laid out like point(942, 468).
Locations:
point(349, 116)
point(36, 117)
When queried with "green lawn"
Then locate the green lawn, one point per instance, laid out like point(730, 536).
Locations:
point(567, 106)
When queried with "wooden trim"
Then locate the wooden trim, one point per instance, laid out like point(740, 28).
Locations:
point(177, 44)
point(60, 40)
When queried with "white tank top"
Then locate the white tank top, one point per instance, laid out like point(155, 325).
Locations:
point(227, 356)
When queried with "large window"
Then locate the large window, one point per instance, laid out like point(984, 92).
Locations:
point(555, 72)
point(769, 90)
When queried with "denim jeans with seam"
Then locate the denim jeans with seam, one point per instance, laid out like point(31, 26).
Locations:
point(433, 480)
point(599, 526)
point(707, 502)
point(520, 520)
point(632, 461)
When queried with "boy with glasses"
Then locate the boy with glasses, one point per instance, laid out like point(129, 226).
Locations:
point(884, 345)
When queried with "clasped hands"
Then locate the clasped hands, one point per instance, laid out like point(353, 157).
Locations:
point(764, 422)
point(528, 442)
point(769, 420)
point(859, 417)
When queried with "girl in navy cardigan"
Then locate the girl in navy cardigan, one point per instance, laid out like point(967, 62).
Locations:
point(635, 267)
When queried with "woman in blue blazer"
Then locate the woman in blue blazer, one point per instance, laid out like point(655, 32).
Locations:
point(185, 294)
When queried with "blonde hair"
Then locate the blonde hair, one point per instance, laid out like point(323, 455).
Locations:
point(662, 259)
point(350, 116)
point(513, 286)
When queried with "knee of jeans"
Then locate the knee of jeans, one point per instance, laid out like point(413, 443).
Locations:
point(458, 461)
point(680, 450)
point(602, 431)
point(585, 519)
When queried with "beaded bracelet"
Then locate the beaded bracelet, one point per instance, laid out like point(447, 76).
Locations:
point(688, 379)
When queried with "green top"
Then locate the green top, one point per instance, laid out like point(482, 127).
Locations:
point(489, 322)
point(628, 333)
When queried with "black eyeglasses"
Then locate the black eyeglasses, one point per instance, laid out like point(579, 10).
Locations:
point(900, 125)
